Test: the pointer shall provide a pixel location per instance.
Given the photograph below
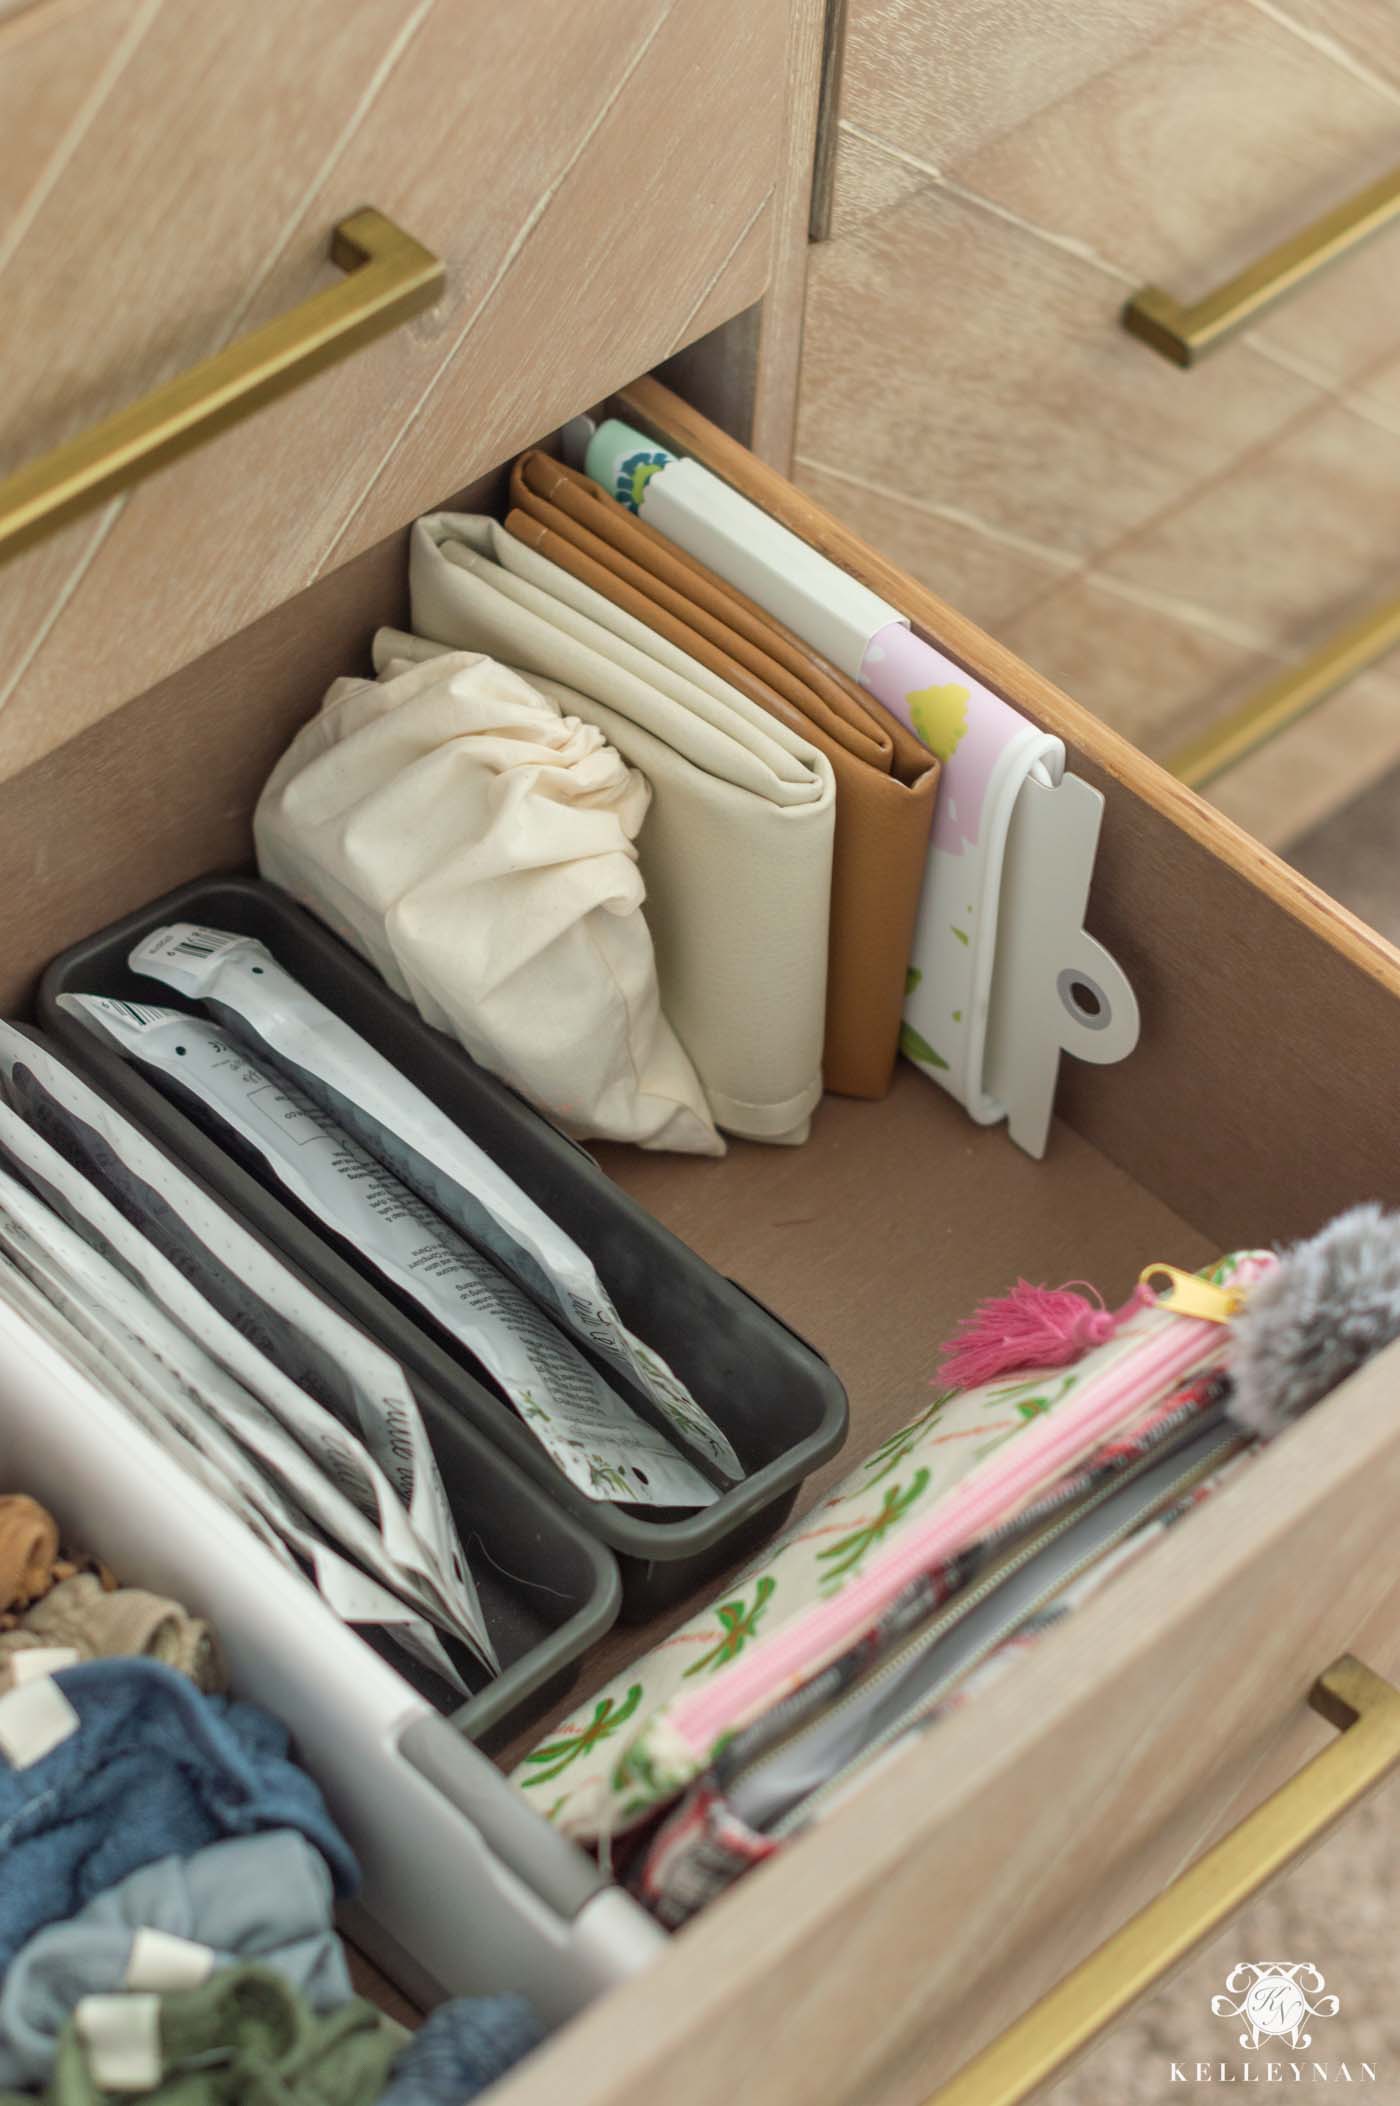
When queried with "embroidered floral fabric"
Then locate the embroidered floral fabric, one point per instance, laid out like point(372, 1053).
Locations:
point(1000, 1449)
point(705, 1846)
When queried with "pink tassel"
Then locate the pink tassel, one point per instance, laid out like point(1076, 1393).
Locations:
point(1032, 1327)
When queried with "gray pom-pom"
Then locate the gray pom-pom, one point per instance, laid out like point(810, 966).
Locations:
point(1328, 1305)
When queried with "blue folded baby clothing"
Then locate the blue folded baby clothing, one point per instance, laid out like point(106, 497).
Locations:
point(148, 1767)
point(462, 2049)
point(264, 1897)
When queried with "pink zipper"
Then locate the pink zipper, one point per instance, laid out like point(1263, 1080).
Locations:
point(974, 1507)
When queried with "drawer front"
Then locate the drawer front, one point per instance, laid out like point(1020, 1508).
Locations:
point(1160, 543)
point(172, 173)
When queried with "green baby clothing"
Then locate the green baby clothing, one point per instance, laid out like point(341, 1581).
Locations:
point(245, 2038)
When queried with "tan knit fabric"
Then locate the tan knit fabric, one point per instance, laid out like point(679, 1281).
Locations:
point(99, 1625)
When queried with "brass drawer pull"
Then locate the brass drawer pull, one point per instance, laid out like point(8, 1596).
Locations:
point(1186, 334)
point(390, 276)
point(1291, 694)
point(1366, 1710)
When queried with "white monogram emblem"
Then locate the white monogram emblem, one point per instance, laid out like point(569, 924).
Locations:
point(1273, 1999)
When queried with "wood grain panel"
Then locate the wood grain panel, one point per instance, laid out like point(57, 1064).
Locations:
point(1161, 678)
point(784, 312)
point(139, 261)
point(1291, 544)
point(1364, 34)
point(1145, 669)
point(151, 234)
point(870, 178)
point(1185, 161)
point(955, 356)
point(555, 172)
point(48, 77)
point(623, 197)
point(989, 576)
point(942, 87)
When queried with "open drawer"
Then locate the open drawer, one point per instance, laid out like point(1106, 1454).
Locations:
point(875, 1957)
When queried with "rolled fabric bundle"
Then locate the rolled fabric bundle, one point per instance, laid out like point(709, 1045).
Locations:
point(465, 831)
point(737, 849)
point(462, 2049)
point(170, 1925)
point(244, 2038)
point(96, 1623)
point(136, 1764)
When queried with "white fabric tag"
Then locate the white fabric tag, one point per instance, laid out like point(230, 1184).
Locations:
point(41, 1660)
point(34, 1720)
point(121, 2039)
point(161, 1962)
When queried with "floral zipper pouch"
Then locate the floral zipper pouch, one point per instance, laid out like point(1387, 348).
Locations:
point(757, 1800)
point(931, 1503)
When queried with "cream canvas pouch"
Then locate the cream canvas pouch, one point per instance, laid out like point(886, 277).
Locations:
point(476, 841)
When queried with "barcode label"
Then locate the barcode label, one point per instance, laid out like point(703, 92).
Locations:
point(141, 1013)
point(182, 954)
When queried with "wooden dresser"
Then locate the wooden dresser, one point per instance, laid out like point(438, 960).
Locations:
point(625, 186)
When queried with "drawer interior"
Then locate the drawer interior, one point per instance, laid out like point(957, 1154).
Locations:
point(1250, 1112)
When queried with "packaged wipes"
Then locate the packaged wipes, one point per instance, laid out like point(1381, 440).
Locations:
point(306, 1373)
point(138, 1366)
point(602, 1445)
point(286, 1027)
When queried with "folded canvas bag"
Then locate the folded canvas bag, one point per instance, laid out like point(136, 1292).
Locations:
point(475, 841)
point(886, 779)
point(737, 847)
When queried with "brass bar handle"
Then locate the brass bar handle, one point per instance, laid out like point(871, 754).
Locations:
point(1366, 1710)
point(1289, 695)
point(1186, 334)
point(389, 277)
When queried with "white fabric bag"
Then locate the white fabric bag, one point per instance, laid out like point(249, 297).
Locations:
point(736, 851)
point(476, 844)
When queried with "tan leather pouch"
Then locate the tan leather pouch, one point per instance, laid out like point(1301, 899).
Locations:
point(886, 781)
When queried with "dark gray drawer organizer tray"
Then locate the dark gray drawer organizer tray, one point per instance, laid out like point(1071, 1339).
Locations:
point(778, 1401)
point(548, 1590)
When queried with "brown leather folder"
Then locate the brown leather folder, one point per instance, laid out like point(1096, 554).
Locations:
point(886, 781)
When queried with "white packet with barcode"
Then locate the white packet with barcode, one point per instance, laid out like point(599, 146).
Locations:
point(130, 1371)
point(260, 1002)
point(281, 1342)
point(596, 1439)
point(369, 1531)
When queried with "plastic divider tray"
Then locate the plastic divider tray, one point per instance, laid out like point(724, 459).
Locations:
point(778, 1401)
point(548, 1589)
